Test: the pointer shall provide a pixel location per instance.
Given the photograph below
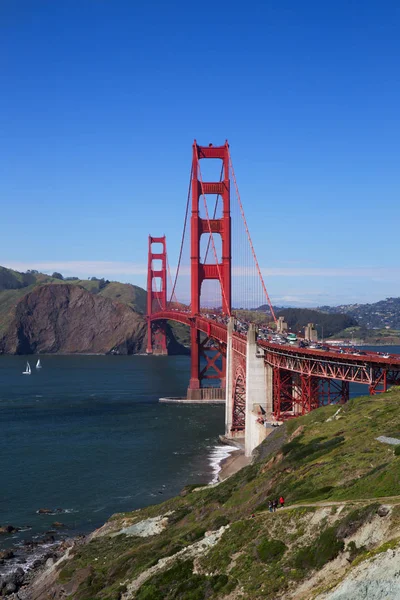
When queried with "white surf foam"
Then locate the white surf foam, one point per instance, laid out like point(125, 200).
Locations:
point(217, 455)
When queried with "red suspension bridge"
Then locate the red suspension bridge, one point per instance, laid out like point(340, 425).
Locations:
point(261, 381)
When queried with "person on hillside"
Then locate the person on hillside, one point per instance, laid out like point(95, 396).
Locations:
point(270, 506)
point(275, 505)
point(282, 501)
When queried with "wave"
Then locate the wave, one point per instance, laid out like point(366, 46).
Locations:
point(96, 510)
point(58, 511)
point(26, 559)
point(217, 455)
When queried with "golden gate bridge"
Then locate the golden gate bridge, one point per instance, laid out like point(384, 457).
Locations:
point(263, 383)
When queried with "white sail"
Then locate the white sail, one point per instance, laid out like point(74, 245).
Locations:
point(27, 370)
point(38, 365)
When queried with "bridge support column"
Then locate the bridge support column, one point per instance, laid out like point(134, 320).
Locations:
point(269, 404)
point(256, 393)
point(194, 383)
point(229, 381)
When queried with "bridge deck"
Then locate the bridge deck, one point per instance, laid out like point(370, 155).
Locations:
point(346, 366)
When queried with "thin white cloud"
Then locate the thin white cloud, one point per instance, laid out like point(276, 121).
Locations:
point(86, 268)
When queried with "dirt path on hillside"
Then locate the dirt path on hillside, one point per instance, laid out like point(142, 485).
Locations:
point(392, 500)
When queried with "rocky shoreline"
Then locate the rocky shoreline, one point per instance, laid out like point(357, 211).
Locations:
point(22, 562)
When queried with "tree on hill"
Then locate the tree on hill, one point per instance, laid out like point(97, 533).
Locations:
point(103, 283)
point(13, 280)
point(57, 276)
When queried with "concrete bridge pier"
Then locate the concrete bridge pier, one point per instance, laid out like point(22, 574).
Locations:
point(259, 393)
point(229, 380)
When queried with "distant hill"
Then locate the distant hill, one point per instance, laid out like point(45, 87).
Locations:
point(297, 319)
point(15, 285)
point(50, 313)
point(378, 322)
point(68, 319)
point(378, 315)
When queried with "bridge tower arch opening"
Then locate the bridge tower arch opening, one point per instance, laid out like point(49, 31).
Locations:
point(239, 403)
point(205, 224)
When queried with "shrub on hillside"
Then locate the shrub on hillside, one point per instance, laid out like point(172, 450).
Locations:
point(271, 550)
point(354, 551)
point(325, 548)
point(178, 514)
point(219, 521)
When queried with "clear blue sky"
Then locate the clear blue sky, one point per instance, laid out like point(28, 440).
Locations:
point(100, 102)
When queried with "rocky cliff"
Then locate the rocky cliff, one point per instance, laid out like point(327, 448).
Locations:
point(68, 319)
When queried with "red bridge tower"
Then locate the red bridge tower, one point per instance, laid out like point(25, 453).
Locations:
point(201, 271)
point(156, 297)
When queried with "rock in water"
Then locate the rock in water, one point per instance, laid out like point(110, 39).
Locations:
point(8, 529)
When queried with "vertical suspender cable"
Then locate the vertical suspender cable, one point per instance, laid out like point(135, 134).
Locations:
point(183, 234)
point(249, 238)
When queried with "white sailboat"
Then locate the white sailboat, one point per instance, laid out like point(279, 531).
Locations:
point(38, 364)
point(27, 370)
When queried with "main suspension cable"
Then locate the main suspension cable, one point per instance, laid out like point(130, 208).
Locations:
point(173, 297)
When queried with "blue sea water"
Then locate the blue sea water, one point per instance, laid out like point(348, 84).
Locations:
point(86, 434)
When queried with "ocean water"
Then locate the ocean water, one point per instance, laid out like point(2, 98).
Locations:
point(86, 434)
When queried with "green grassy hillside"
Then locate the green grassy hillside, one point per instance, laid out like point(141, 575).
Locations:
point(331, 470)
point(126, 293)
